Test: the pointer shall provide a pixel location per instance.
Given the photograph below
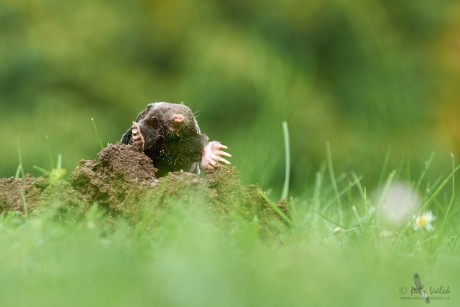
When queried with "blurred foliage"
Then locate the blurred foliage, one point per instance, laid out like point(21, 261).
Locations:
point(363, 75)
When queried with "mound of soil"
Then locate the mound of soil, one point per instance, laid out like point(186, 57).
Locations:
point(122, 180)
point(118, 180)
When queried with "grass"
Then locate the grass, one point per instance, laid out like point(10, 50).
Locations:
point(331, 250)
point(287, 153)
point(96, 131)
point(20, 169)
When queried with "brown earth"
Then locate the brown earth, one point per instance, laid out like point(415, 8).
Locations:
point(118, 180)
point(122, 181)
point(19, 194)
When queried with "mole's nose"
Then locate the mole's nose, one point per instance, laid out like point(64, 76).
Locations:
point(178, 118)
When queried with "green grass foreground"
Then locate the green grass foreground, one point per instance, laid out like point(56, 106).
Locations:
point(189, 255)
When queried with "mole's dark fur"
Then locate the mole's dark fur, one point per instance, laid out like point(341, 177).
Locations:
point(172, 138)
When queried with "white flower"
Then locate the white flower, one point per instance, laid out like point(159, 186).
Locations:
point(424, 221)
point(397, 203)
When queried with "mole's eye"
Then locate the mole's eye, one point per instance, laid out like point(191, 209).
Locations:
point(154, 122)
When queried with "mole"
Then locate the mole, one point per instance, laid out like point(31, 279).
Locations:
point(168, 133)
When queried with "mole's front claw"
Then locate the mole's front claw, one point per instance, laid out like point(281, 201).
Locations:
point(138, 139)
point(212, 155)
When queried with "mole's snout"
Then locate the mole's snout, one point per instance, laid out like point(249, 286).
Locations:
point(177, 122)
point(178, 118)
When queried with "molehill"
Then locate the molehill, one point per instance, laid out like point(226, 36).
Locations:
point(122, 181)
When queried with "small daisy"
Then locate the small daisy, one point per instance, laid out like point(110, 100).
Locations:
point(424, 221)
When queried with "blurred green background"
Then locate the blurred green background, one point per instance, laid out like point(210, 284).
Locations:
point(364, 75)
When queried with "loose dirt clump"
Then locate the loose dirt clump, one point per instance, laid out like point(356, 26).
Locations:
point(118, 180)
point(18, 193)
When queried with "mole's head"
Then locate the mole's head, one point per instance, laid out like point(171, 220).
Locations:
point(171, 119)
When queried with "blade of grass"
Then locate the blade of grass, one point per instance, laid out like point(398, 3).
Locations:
point(318, 185)
point(432, 186)
point(361, 190)
point(388, 184)
point(358, 218)
point(341, 193)
point(330, 188)
point(425, 170)
point(385, 165)
point(441, 186)
point(277, 210)
point(42, 170)
point(453, 192)
point(382, 197)
point(333, 180)
point(329, 220)
point(97, 133)
point(285, 192)
point(59, 162)
point(20, 169)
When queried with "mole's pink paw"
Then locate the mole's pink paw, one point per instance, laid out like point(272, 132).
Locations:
point(138, 139)
point(213, 155)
